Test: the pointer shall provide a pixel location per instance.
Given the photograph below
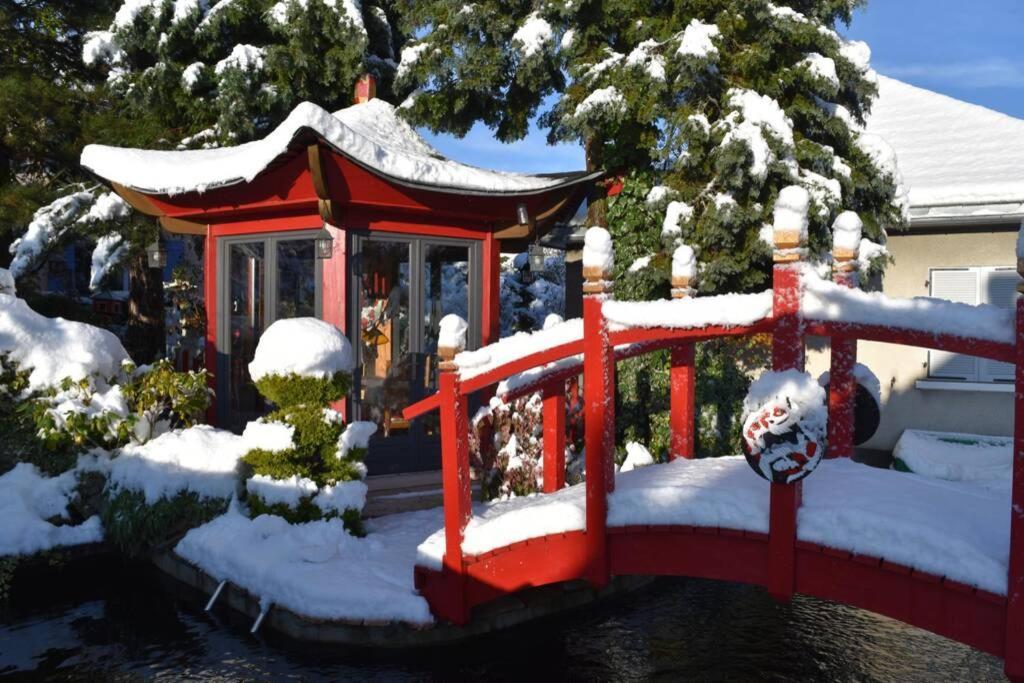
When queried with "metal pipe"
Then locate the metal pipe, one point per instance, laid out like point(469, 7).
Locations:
point(216, 594)
point(259, 619)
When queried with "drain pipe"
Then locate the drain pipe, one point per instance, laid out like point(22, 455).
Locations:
point(259, 620)
point(216, 594)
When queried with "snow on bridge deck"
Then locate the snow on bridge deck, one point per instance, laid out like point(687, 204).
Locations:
point(954, 529)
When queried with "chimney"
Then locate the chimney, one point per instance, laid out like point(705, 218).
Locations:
point(366, 89)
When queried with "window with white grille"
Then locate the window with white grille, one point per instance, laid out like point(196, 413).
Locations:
point(995, 286)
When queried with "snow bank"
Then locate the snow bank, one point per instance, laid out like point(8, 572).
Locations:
point(303, 346)
point(827, 301)
point(637, 456)
point(346, 495)
point(269, 436)
point(519, 345)
point(54, 348)
point(288, 491)
point(950, 529)
point(725, 310)
point(200, 459)
point(318, 569)
point(27, 500)
point(369, 133)
point(957, 457)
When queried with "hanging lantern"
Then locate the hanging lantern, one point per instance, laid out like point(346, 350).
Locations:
point(156, 254)
point(522, 215)
point(324, 244)
point(537, 259)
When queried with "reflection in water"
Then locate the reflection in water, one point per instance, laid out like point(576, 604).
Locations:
point(125, 624)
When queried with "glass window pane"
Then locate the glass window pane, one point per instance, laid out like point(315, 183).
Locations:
point(387, 367)
point(246, 270)
point(445, 290)
point(296, 279)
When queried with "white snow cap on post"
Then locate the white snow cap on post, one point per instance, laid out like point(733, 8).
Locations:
point(846, 234)
point(790, 224)
point(597, 250)
point(684, 262)
point(303, 346)
point(452, 333)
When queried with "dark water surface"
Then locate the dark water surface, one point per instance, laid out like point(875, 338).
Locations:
point(114, 622)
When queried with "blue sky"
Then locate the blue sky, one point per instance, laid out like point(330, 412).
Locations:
point(968, 49)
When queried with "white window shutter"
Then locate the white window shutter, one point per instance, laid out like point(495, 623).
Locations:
point(960, 286)
point(999, 288)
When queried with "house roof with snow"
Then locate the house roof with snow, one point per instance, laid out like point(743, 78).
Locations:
point(962, 162)
point(370, 134)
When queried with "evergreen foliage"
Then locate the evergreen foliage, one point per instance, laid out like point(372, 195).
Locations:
point(718, 103)
point(303, 404)
point(137, 528)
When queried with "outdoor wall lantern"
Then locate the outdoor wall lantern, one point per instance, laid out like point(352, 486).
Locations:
point(324, 244)
point(156, 254)
point(537, 259)
point(522, 215)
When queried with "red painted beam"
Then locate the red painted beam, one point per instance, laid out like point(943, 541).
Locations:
point(661, 337)
point(486, 379)
point(688, 551)
point(455, 476)
point(842, 392)
point(981, 348)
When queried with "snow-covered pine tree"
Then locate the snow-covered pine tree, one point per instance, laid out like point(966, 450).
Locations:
point(200, 73)
point(706, 107)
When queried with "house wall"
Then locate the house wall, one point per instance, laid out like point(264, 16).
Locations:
point(900, 367)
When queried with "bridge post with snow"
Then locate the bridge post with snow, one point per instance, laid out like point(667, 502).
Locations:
point(920, 551)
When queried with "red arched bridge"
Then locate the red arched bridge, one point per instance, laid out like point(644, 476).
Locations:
point(938, 555)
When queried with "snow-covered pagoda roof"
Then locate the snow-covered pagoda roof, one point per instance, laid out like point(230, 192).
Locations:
point(958, 159)
point(370, 134)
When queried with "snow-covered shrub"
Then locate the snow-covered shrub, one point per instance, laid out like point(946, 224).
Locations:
point(157, 491)
point(307, 465)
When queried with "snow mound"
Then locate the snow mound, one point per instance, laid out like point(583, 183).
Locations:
point(987, 460)
point(370, 134)
point(27, 500)
point(356, 435)
point(318, 569)
point(200, 459)
point(269, 436)
point(288, 491)
point(303, 346)
point(637, 456)
point(54, 348)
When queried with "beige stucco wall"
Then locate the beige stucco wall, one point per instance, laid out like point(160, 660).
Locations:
point(898, 367)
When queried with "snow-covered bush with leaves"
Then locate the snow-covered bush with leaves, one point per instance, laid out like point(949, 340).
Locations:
point(308, 464)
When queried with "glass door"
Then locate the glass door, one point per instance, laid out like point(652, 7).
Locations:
point(401, 288)
point(261, 280)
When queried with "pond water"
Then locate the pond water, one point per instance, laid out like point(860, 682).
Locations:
point(125, 622)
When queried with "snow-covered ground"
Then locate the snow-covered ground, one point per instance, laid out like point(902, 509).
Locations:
point(318, 569)
point(28, 501)
point(954, 529)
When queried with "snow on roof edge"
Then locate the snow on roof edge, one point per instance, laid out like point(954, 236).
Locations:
point(378, 141)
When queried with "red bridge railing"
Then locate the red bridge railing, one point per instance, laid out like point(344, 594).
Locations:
point(777, 560)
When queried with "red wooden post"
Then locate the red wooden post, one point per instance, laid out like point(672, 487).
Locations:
point(455, 481)
point(491, 313)
point(682, 417)
point(683, 376)
point(787, 353)
point(554, 436)
point(842, 387)
point(1013, 657)
point(599, 415)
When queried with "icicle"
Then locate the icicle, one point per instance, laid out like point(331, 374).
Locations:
point(216, 594)
point(265, 607)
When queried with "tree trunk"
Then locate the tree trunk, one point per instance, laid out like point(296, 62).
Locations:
point(597, 210)
point(144, 339)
